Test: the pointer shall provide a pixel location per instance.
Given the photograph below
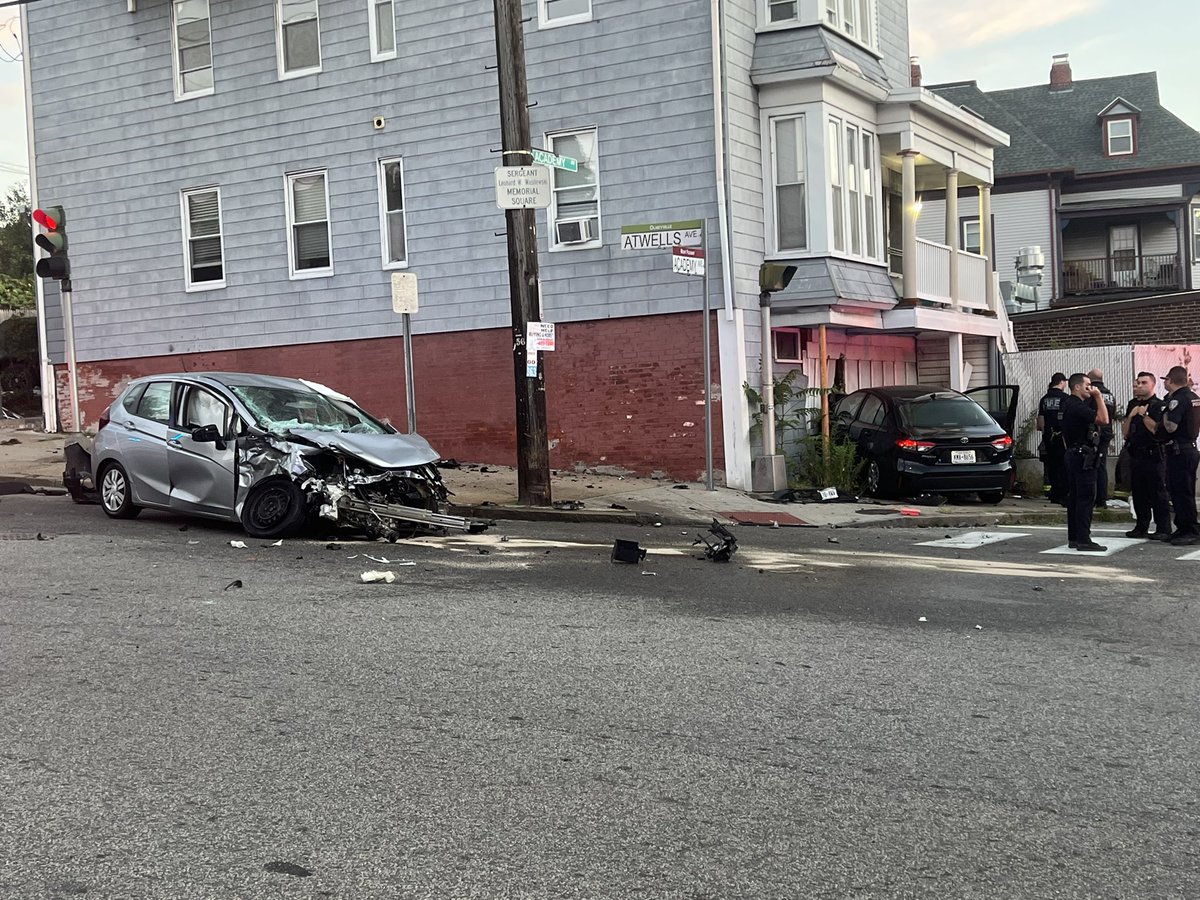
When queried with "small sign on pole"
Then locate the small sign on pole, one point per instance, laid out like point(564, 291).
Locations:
point(546, 158)
point(404, 292)
point(523, 187)
point(687, 260)
point(538, 336)
point(660, 236)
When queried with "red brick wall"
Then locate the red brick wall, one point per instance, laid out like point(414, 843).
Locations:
point(1160, 320)
point(620, 392)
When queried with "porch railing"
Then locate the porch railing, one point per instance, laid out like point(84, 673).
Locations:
point(933, 271)
point(972, 280)
point(1141, 272)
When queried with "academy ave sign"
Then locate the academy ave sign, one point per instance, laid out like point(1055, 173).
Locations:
point(662, 236)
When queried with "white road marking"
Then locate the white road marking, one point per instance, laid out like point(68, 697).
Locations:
point(1112, 545)
point(1195, 554)
point(973, 539)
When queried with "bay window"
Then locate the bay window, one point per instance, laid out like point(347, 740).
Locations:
point(788, 174)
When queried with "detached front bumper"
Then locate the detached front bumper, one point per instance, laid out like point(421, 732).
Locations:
point(77, 476)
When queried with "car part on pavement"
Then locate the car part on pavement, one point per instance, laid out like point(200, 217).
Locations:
point(721, 546)
point(627, 552)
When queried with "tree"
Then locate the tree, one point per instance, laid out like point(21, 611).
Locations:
point(16, 250)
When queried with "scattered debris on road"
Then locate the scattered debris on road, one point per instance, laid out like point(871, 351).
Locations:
point(238, 545)
point(627, 552)
point(721, 546)
point(375, 577)
point(237, 583)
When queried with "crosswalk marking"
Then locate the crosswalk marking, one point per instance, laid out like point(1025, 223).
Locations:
point(973, 539)
point(1112, 545)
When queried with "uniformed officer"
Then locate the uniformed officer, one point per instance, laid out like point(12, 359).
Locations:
point(1179, 423)
point(1083, 413)
point(1049, 423)
point(1147, 473)
point(1106, 436)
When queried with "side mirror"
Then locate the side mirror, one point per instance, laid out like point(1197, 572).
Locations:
point(208, 434)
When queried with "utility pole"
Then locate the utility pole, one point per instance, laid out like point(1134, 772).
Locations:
point(533, 451)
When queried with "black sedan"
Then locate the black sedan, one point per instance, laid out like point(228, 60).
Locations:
point(918, 439)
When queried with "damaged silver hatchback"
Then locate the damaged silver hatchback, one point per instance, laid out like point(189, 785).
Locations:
point(273, 453)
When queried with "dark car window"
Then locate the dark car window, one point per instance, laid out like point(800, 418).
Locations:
point(131, 398)
point(872, 410)
point(201, 408)
point(848, 406)
point(156, 402)
point(943, 411)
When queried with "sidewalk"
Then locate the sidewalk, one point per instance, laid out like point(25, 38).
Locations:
point(490, 492)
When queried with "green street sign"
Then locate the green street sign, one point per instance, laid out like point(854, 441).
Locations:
point(543, 158)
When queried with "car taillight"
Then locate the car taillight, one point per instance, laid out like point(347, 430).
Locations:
point(103, 419)
point(911, 445)
point(1002, 443)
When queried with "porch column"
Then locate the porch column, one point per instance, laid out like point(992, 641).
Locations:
point(908, 279)
point(952, 231)
point(957, 382)
point(985, 242)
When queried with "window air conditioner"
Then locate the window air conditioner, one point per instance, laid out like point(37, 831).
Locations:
point(576, 231)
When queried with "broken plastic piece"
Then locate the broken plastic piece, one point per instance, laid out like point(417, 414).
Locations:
point(909, 511)
point(568, 504)
point(374, 577)
point(829, 493)
point(234, 584)
point(239, 545)
point(721, 546)
point(922, 619)
point(627, 552)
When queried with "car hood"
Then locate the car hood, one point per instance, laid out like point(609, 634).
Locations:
point(387, 451)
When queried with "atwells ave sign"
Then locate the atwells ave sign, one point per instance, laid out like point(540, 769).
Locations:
point(662, 236)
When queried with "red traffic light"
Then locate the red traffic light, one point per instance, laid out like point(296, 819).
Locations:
point(49, 219)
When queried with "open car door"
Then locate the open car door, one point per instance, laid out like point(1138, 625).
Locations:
point(1000, 400)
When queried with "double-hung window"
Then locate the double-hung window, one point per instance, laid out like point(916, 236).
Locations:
point(382, 15)
point(854, 202)
point(1119, 134)
point(853, 18)
point(552, 13)
point(308, 225)
point(1195, 234)
point(788, 174)
point(391, 213)
point(191, 38)
point(298, 37)
point(575, 206)
point(204, 252)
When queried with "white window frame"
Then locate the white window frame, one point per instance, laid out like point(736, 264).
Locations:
point(552, 216)
point(767, 8)
point(189, 285)
point(281, 57)
point(965, 228)
point(378, 55)
point(848, 187)
point(295, 274)
point(384, 220)
point(1108, 137)
point(800, 123)
point(854, 19)
point(176, 62)
point(1196, 235)
point(545, 21)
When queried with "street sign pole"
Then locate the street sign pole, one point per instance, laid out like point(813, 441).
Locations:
point(533, 447)
point(410, 398)
point(708, 438)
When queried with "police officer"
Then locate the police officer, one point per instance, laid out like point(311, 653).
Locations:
point(1147, 473)
point(1179, 423)
point(1084, 412)
point(1106, 436)
point(1049, 423)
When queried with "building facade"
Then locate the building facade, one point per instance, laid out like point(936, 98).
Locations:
point(241, 180)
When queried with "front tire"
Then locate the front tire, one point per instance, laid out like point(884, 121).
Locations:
point(273, 509)
point(115, 494)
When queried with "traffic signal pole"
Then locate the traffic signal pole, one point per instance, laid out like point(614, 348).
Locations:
point(533, 452)
point(69, 337)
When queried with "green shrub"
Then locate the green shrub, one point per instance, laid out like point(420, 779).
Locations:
point(839, 466)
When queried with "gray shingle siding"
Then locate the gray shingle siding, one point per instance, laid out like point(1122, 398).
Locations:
point(115, 148)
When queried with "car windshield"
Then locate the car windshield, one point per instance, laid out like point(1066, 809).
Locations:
point(282, 409)
point(935, 411)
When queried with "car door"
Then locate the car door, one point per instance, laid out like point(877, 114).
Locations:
point(843, 415)
point(203, 473)
point(1000, 400)
point(144, 445)
point(867, 429)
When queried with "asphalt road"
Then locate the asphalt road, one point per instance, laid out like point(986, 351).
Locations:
point(536, 721)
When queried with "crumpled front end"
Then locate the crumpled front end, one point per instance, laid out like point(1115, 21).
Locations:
point(346, 479)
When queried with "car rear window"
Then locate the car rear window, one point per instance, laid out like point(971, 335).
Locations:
point(943, 412)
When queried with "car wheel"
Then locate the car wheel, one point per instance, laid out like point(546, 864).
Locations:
point(991, 496)
point(115, 495)
point(879, 482)
point(273, 509)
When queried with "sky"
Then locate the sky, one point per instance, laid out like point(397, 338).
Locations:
point(998, 44)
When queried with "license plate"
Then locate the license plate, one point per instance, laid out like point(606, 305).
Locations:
point(962, 456)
